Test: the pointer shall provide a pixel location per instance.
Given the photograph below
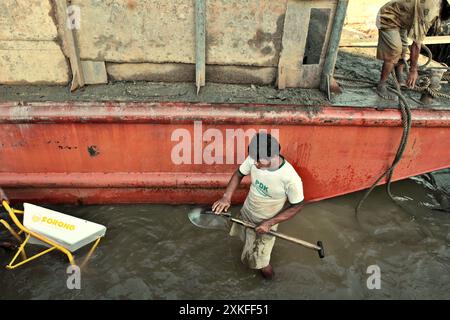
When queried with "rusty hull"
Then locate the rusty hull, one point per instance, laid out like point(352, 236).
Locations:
point(83, 152)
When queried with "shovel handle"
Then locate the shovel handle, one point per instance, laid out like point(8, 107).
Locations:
point(279, 235)
point(318, 247)
point(224, 214)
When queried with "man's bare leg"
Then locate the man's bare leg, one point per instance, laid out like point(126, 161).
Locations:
point(382, 88)
point(267, 272)
point(399, 73)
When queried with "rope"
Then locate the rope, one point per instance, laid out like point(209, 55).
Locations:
point(405, 111)
point(423, 86)
point(435, 93)
point(430, 57)
point(446, 76)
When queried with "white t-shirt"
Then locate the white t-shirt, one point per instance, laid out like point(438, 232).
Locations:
point(269, 190)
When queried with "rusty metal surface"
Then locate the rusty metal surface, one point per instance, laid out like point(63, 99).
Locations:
point(235, 114)
point(118, 180)
point(123, 195)
point(121, 152)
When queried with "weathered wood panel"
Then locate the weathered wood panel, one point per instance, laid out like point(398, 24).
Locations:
point(32, 62)
point(26, 20)
point(239, 32)
point(294, 70)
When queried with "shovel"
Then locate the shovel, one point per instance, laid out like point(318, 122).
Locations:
point(208, 219)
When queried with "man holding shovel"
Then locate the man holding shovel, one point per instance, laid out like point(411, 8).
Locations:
point(274, 181)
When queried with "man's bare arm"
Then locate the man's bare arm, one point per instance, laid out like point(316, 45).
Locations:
point(413, 72)
point(284, 215)
point(224, 204)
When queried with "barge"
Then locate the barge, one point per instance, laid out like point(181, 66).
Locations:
point(265, 65)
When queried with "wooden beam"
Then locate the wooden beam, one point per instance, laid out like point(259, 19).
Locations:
point(326, 78)
point(374, 44)
point(200, 42)
point(70, 43)
point(293, 42)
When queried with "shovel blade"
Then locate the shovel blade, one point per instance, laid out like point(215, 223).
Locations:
point(199, 218)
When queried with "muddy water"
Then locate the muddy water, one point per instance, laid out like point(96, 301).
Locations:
point(154, 252)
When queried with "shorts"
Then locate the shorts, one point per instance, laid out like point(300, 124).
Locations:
point(257, 247)
point(392, 44)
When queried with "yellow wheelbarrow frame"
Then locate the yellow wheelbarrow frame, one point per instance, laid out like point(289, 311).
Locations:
point(28, 233)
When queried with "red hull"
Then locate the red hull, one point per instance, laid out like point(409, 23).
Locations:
point(121, 152)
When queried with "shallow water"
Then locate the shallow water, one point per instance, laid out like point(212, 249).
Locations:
point(154, 252)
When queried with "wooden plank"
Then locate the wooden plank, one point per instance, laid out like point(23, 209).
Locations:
point(182, 72)
point(94, 72)
point(33, 62)
point(294, 39)
point(70, 45)
point(373, 44)
point(292, 72)
point(200, 41)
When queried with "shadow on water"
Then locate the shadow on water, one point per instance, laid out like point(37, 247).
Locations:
point(154, 252)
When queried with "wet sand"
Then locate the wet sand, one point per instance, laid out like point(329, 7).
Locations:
point(354, 64)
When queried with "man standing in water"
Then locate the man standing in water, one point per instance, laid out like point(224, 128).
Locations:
point(398, 20)
point(273, 181)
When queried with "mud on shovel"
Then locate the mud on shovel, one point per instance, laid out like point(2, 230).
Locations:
point(204, 218)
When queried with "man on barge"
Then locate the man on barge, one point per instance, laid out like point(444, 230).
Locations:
point(397, 21)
